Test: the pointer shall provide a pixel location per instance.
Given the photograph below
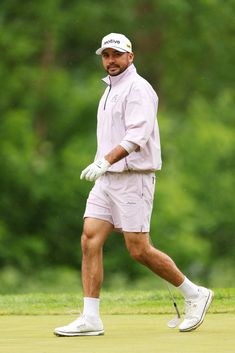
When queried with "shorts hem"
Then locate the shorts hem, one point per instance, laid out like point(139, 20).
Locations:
point(142, 230)
point(102, 218)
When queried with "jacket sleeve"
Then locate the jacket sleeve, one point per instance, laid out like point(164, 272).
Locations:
point(140, 113)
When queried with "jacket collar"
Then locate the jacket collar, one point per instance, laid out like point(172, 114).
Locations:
point(113, 80)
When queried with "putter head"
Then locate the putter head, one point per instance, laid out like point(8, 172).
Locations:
point(174, 322)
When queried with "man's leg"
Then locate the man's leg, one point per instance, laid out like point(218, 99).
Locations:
point(197, 299)
point(141, 250)
point(95, 233)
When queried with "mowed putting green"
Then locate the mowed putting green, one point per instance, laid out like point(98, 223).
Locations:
point(124, 334)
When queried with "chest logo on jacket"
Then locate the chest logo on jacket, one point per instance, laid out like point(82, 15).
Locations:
point(114, 98)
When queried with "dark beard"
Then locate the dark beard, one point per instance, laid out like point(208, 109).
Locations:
point(116, 74)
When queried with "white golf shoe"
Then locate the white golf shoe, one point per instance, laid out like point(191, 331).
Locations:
point(82, 326)
point(195, 310)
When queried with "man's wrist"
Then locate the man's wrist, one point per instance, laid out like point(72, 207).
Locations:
point(103, 162)
point(116, 155)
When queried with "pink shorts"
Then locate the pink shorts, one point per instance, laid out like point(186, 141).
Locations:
point(123, 199)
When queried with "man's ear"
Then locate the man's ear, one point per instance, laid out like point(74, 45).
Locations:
point(131, 57)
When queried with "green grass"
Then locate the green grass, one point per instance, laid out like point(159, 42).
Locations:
point(113, 302)
point(139, 326)
point(124, 334)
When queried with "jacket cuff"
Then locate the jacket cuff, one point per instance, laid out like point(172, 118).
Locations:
point(129, 146)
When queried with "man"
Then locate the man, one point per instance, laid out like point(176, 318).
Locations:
point(128, 155)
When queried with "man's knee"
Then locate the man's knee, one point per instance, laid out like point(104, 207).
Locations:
point(85, 242)
point(90, 242)
point(94, 235)
point(138, 252)
point(138, 246)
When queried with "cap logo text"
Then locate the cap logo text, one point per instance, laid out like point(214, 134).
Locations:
point(111, 41)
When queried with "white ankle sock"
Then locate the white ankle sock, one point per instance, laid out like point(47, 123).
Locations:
point(188, 289)
point(91, 307)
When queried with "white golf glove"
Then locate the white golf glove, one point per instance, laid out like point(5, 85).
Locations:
point(95, 170)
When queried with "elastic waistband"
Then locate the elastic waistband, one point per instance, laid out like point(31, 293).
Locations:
point(132, 172)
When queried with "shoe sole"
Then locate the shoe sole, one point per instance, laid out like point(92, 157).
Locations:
point(73, 334)
point(207, 305)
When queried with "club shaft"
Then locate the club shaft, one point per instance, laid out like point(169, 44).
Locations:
point(173, 300)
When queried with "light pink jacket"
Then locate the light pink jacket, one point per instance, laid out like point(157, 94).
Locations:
point(128, 112)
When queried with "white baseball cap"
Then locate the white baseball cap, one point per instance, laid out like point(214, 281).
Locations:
point(115, 41)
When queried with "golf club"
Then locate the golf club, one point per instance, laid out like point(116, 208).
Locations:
point(176, 320)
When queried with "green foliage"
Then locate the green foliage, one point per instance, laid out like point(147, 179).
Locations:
point(114, 302)
point(50, 90)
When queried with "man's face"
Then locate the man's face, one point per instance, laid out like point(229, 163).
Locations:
point(115, 62)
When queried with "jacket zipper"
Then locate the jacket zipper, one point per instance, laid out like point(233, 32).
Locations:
point(127, 166)
point(105, 102)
